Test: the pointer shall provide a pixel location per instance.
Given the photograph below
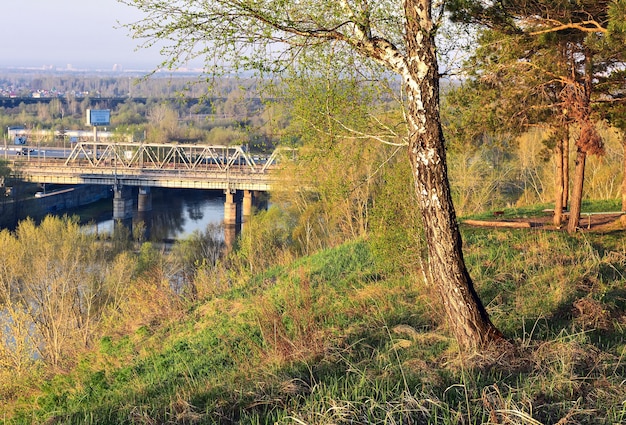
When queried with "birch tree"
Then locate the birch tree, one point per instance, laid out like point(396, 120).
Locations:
point(267, 35)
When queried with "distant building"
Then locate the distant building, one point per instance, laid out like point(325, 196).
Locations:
point(18, 134)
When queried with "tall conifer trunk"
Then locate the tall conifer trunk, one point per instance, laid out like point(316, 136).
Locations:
point(577, 190)
point(561, 180)
point(588, 141)
point(624, 171)
point(558, 184)
point(566, 169)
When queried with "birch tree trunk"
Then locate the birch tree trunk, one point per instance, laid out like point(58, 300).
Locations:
point(467, 318)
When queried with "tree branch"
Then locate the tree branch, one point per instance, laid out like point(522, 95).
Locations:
point(590, 26)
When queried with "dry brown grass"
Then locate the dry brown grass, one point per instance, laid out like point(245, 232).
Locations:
point(289, 324)
point(589, 313)
point(148, 302)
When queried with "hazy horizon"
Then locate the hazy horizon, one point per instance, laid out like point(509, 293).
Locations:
point(73, 35)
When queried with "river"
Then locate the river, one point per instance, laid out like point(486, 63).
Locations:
point(176, 213)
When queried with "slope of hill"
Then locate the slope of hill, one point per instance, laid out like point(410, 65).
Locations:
point(331, 339)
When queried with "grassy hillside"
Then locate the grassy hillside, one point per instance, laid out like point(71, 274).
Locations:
point(329, 339)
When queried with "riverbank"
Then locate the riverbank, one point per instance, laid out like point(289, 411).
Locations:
point(22, 203)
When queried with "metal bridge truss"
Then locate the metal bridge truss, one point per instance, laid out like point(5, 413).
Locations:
point(157, 156)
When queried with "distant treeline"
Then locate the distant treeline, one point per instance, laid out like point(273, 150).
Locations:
point(109, 102)
point(24, 84)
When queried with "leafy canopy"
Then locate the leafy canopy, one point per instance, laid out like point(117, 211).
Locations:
point(264, 35)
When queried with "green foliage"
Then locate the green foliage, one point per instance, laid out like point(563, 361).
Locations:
point(5, 170)
point(396, 233)
point(265, 240)
point(200, 247)
point(494, 175)
point(129, 114)
point(149, 257)
point(54, 289)
point(200, 117)
point(617, 11)
point(122, 237)
point(195, 257)
point(478, 183)
point(347, 128)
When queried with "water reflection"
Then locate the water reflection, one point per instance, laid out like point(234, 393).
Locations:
point(176, 214)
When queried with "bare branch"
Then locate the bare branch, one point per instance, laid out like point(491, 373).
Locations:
point(356, 134)
point(382, 139)
point(590, 26)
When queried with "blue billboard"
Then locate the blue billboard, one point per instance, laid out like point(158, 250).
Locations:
point(98, 117)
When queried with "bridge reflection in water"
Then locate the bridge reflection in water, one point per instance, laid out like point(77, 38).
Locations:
point(176, 214)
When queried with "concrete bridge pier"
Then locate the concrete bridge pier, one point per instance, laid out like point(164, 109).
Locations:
point(122, 203)
point(230, 208)
point(144, 213)
point(144, 200)
point(247, 205)
point(230, 236)
point(122, 208)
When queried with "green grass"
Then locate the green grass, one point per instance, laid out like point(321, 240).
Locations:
point(331, 339)
point(539, 210)
point(516, 212)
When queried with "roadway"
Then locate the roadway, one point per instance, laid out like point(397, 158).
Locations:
point(32, 152)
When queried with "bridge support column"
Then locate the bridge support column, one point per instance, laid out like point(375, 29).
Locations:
point(247, 204)
point(144, 200)
point(230, 208)
point(143, 226)
point(122, 203)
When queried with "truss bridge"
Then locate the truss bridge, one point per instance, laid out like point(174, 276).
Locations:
point(144, 165)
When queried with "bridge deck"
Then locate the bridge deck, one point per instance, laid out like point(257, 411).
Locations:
point(48, 172)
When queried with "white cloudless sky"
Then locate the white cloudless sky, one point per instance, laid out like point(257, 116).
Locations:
point(85, 34)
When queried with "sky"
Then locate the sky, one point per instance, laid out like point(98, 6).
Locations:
point(81, 34)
